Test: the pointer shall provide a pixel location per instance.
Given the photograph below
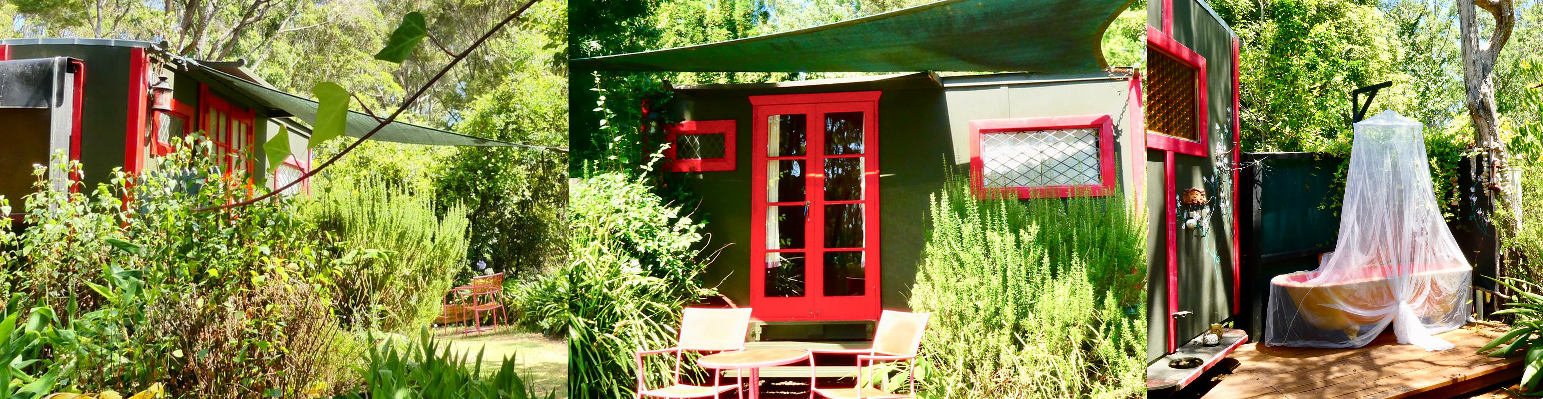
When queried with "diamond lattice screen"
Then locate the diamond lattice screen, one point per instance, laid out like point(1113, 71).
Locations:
point(1039, 158)
point(286, 174)
point(1170, 90)
point(699, 146)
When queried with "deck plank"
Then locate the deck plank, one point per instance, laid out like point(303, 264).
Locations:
point(1382, 369)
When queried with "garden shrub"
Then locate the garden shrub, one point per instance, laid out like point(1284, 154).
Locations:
point(634, 267)
point(1042, 298)
point(395, 258)
point(541, 304)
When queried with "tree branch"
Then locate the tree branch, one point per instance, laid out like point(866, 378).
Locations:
point(406, 104)
point(1505, 19)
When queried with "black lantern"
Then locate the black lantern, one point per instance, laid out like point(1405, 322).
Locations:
point(160, 95)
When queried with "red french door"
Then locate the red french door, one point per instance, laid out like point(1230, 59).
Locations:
point(815, 209)
point(230, 129)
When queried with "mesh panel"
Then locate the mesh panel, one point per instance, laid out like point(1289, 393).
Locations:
point(1041, 158)
point(1170, 89)
point(699, 146)
point(286, 174)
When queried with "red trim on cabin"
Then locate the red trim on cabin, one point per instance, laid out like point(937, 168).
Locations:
point(1165, 44)
point(160, 142)
point(723, 127)
point(5, 52)
point(814, 305)
point(138, 110)
point(233, 133)
point(1167, 12)
point(79, 99)
point(1106, 155)
point(1171, 216)
point(1237, 153)
point(1138, 126)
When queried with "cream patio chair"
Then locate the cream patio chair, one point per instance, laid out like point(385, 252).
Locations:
point(701, 330)
point(897, 338)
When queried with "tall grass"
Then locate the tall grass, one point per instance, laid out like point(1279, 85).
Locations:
point(634, 267)
point(395, 258)
point(1032, 299)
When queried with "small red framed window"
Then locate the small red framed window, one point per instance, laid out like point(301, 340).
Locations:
point(292, 169)
point(700, 146)
point(1048, 157)
point(1175, 96)
point(165, 125)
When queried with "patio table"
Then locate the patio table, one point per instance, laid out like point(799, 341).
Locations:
point(753, 360)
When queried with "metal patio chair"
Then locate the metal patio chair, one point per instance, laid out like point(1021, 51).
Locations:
point(484, 293)
point(898, 337)
point(701, 330)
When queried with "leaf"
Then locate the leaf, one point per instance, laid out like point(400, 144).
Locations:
point(1505, 338)
point(124, 246)
point(331, 113)
point(278, 148)
point(1534, 362)
point(404, 39)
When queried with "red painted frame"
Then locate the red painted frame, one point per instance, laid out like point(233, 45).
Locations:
point(1106, 155)
point(1137, 128)
point(1237, 152)
point(294, 162)
point(814, 305)
point(223, 139)
point(138, 110)
point(79, 99)
point(723, 127)
point(159, 145)
point(1157, 40)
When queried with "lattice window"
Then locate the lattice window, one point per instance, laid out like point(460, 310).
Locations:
point(700, 146)
point(287, 173)
point(1066, 157)
point(1044, 157)
point(1171, 96)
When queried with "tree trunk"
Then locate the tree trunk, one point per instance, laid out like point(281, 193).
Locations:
point(1478, 80)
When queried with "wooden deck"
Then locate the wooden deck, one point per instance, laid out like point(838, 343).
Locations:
point(1383, 369)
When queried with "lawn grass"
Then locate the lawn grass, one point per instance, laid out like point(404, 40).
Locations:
point(543, 360)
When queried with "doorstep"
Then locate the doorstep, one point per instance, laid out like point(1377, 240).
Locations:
point(1162, 377)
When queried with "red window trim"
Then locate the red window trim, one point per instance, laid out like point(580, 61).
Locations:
point(1106, 155)
point(865, 307)
point(138, 109)
point(294, 162)
point(1157, 40)
point(160, 146)
point(723, 127)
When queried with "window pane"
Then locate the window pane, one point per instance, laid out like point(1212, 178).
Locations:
point(785, 181)
point(1041, 158)
point(784, 274)
point(844, 273)
point(844, 226)
point(785, 227)
point(1171, 101)
point(699, 146)
point(843, 133)
point(786, 136)
point(843, 179)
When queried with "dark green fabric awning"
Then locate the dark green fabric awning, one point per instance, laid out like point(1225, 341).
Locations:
point(1041, 36)
point(358, 123)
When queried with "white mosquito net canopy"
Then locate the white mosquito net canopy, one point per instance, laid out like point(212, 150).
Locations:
point(1395, 261)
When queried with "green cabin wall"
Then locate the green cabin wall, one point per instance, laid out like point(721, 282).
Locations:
point(923, 131)
point(104, 110)
point(1205, 263)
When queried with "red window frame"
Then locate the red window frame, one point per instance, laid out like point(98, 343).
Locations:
point(1106, 156)
point(295, 163)
point(814, 305)
point(225, 132)
point(1165, 44)
point(160, 143)
point(723, 127)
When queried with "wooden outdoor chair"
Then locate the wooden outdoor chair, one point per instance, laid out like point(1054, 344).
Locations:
point(701, 330)
point(898, 337)
point(484, 292)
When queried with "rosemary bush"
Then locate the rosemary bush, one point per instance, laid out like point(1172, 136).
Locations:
point(1032, 299)
point(634, 268)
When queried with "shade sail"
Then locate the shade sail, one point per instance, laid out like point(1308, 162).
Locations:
point(359, 124)
point(1041, 36)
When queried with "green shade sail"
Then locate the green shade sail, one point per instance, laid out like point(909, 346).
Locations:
point(358, 124)
point(1040, 36)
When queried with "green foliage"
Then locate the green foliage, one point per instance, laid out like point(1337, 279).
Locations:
point(394, 258)
point(331, 113)
point(633, 270)
point(426, 369)
point(1526, 334)
point(1124, 42)
point(404, 39)
point(1044, 298)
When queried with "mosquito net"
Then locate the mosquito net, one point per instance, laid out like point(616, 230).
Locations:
point(1395, 261)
